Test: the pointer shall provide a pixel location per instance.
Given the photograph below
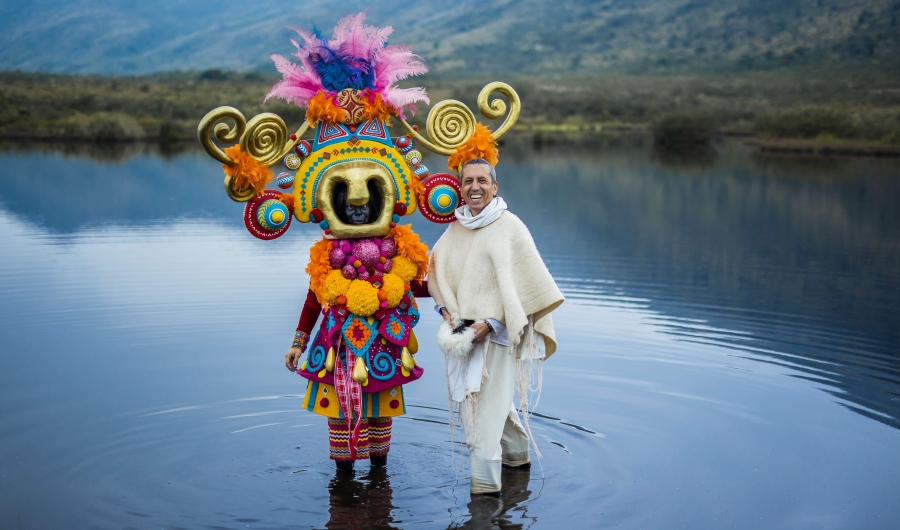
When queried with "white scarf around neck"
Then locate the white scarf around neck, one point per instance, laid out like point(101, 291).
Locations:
point(488, 215)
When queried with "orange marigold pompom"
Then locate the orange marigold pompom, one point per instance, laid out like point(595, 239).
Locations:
point(404, 268)
point(480, 145)
point(318, 267)
point(362, 298)
point(394, 288)
point(334, 286)
point(322, 108)
point(246, 172)
point(409, 246)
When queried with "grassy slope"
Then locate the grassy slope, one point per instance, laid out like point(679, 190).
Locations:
point(864, 107)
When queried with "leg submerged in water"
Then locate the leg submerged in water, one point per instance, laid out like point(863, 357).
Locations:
point(379, 440)
point(497, 436)
point(339, 443)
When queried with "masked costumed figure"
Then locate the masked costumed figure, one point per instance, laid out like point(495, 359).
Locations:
point(356, 182)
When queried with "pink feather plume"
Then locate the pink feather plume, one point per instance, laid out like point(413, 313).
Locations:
point(396, 63)
point(352, 38)
point(298, 85)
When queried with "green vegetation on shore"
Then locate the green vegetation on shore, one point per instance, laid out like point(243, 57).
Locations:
point(861, 107)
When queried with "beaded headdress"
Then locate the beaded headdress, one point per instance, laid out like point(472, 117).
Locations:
point(347, 86)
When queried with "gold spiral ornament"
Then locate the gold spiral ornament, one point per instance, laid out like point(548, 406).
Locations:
point(497, 108)
point(265, 138)
point(222, 131)
point(450, 124)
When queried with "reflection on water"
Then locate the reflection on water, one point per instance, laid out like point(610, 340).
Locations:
point(361, 502)
point(728, 350)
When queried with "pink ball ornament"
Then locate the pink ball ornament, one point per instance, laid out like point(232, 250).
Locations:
point(379, 267)
point(364, 276)
point(335, 244)
point(346, 247)
point(349, 272)
point(337, 258)
point(389, 247)
point(367, 252)
point(387, 266)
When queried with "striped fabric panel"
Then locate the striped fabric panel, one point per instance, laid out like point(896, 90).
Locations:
point(374, 438)
point(380, 436)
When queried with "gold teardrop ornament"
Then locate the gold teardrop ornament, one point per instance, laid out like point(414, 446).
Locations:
point(413, 343)
point(407, 360)
point(360, 374)
point(329, 360)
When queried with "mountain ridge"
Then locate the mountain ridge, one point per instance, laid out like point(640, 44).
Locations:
point(527, 36)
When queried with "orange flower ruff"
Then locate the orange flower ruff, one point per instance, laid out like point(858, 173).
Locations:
point(322, 108)
point(374, 108)
point(246, 172)
point(480, 145)
point(319, 267)
point(409, 246)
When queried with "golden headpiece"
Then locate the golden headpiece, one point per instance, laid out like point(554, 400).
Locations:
point(347, 85)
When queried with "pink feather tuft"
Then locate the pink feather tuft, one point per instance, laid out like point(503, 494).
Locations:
point(396, 63)
point(354, 38)
point(298, 85)
point(403, 97)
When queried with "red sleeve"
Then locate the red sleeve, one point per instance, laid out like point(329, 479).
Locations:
point(310, 314)
point(420, 288)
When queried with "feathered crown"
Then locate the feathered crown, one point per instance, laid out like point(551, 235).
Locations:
point(356, 58)
point(347, 86)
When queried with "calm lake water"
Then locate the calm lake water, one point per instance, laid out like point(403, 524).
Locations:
point(728, 350)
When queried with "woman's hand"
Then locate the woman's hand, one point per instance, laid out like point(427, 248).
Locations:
point(446, 315)
point(291, 358)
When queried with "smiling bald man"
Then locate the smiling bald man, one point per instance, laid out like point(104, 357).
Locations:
point(486, 273)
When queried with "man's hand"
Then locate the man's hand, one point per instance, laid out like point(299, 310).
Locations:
point(291, 358)
point(446, 315)
point(481, 331)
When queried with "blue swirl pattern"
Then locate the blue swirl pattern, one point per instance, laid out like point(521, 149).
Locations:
point(382, 366)
point(316, 359)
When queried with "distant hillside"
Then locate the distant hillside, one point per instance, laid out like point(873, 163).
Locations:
point(528, 36)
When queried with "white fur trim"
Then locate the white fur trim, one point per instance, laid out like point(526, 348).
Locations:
point(455, 344)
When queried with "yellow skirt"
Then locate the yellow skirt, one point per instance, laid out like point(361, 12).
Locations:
point(322, 399)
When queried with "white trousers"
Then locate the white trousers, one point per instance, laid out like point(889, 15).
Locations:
point(498, 436)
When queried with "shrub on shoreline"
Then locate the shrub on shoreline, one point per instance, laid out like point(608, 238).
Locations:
point(683, 130)
point(102, 127)
point(807, 122)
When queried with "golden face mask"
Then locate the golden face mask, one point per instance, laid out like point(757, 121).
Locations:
point(358, 183)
